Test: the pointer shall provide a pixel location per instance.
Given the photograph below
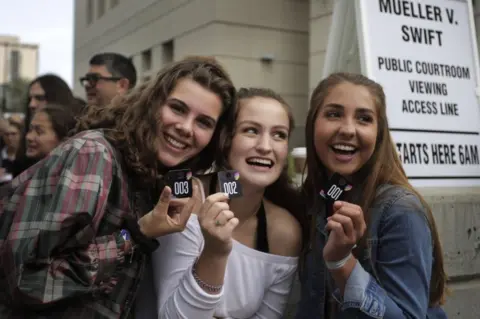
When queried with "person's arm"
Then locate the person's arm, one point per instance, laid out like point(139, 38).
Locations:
point(48, 248)
point(178, 294)
point(404, 266)
point(276, 297)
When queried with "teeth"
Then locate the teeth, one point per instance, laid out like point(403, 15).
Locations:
point(175, 142)
point(260, 161)
point(343, 147)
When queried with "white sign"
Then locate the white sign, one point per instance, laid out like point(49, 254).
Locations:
point(424, 53)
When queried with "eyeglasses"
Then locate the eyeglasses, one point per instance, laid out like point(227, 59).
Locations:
point(91, 79)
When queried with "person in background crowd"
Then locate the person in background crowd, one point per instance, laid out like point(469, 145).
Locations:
point(11, 137)
point(375, 253)
point(3, 128)
point(238, 257)
point(50, 126)
point(90, 212)
point(81, 102)
point(47, 88)
point(110, 74)
point(17, 119)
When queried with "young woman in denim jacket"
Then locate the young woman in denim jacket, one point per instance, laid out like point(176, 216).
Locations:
point(377, 254)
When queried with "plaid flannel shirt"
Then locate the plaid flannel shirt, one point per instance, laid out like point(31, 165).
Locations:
point(61, 253)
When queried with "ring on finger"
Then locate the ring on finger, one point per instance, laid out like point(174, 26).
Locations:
point(222, 218)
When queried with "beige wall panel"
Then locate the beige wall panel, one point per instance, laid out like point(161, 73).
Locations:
point(320, 8)
point(315, 69)
point(276, 14)
point(251, 42)
point(283, 78)
point(320, 27)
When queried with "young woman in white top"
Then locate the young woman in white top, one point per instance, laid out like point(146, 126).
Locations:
point(237, 257)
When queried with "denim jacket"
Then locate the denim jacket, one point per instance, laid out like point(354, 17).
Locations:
point(392, 278)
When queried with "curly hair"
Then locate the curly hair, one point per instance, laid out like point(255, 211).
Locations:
point(62, 117)
point(130, 121)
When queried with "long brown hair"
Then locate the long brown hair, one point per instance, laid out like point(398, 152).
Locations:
point(384, 167)
point(130, 121)
point(282, 192)
point(62, 118)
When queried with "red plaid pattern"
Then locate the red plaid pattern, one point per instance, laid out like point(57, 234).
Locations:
point(61, 252)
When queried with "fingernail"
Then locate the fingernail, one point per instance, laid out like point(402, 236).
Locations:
point(226, 194)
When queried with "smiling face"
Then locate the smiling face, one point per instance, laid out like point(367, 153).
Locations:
point(186, 122)
point(260, 145)
point(345, 130)
point(41, 138)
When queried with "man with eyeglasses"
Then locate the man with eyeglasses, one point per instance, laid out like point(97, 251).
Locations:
point(110, 74)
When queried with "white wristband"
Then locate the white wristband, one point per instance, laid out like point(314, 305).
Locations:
point(337, 264)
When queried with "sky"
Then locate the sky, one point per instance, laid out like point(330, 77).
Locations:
point(48, 23)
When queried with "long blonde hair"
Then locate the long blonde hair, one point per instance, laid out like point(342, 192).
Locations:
point(384, 167)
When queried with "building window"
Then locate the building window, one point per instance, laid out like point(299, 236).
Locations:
point(114, 3)
point(100, 8)
point(168, 52)
point(147, 60)
point(15, 65)
point(89, 11)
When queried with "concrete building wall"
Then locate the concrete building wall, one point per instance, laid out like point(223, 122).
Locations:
point(29, 62)
point(249, 31)
point(241, 34)
point(26, 56)
point(133, 27)
point(320, 20)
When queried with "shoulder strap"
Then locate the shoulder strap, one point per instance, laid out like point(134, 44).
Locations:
point(262, 235)
point(212, 186)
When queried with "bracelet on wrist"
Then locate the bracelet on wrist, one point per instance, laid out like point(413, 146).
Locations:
point(332, 265)
point(202, 284)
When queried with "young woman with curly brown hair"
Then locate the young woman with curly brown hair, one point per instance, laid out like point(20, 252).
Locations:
point(78, 227)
